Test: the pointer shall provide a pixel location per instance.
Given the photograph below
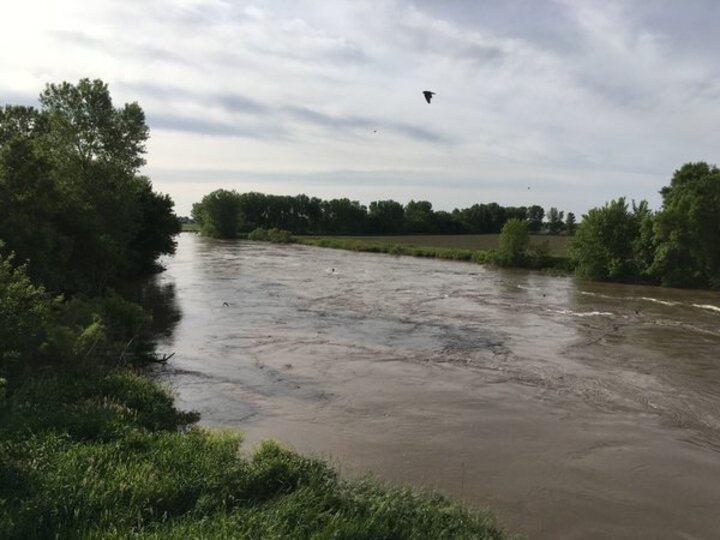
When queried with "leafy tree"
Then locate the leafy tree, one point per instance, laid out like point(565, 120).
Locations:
point(158, 227)
point(687, 230)
point(343, 216)
point(570, 224)
point(218, 214)
point(419, 217)
point(514, 242)
point(386, 217)
point(71, 169)
point(86, 128)
point(535, 216)
point(555, 221)
point(604, 245)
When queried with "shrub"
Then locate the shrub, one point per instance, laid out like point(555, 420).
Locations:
point(514, 242)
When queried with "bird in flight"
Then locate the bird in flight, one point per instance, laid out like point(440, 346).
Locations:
point(428, 95)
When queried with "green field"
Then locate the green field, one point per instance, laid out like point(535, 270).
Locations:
point(557, 244)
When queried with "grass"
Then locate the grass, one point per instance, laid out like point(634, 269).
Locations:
point(424, 246)
point(108, 455)
point(557, 244)
point(190, 227)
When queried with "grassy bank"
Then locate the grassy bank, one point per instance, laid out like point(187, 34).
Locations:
point(557, 245)
point(107, 455)
point(421, 246)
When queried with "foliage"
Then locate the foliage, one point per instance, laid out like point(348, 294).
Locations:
point(102, 457)
point(687, 230)
point(26, 312)
point(419, 217)
point(218, 214)
point(514, 242)
point(535, 217)
point(386, 217)
point(570, 224)
point(277, 236)
point(604, 246)
point(301, 215)
point(555, 221)
point(70, 169)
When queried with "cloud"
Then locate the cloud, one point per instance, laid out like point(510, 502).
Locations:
point(573, 90)
point(199, 126)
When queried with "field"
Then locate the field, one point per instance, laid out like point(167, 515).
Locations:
point(557, 244)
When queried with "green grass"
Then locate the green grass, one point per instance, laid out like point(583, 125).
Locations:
point(190, 227)
point(102, 455)
point(422, 246)
point(557, 244)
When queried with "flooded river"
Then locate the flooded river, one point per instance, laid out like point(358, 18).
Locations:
point(571, 409)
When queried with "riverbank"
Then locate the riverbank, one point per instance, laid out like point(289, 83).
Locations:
point(107, 454)
point(541, 257)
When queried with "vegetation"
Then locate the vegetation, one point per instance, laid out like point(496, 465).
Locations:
point(222, 214)
point(678, 246)
point(514, 242)
point(277, 236)
point(71, 170)
point(88, 447)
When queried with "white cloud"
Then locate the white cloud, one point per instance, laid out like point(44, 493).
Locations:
point(582, 100)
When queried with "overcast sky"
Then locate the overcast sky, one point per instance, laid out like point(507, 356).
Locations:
point(565, 103)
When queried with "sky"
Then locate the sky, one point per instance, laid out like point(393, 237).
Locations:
point(565, 103)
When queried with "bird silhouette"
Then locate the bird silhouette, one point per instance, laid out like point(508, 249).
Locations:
point(428, 95)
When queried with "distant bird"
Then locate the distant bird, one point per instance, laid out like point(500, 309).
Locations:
point(225, 304)
point(374, 130)
point(428, 95)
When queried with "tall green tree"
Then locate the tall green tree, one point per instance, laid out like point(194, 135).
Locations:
point(570, 224)
point(386, 217)
point(218, 214)
point(535, 216)
point(71, 170)
point(555, 220)
point(604, 245)
point(419, 217)
point(687, 229)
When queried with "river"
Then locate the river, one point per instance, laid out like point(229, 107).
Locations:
point(570, 409)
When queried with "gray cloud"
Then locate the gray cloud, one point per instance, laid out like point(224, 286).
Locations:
point(338, 123)
point(172, 122)
point(240, 104)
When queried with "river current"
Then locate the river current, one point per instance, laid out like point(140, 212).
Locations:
point(571, 409)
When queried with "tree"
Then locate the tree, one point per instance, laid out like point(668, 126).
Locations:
point(514, 242)
point(71, 169)
point(570, 224)
point(343, 216)
point(218, 214)
point(386, 217)
point(687, 229)
point(555, 221)
point(604, 245)
point(158, 227)
point(535, 217)
point(419, 217)
point(86, 126)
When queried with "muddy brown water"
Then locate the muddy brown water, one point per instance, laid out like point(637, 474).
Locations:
point(571, 409)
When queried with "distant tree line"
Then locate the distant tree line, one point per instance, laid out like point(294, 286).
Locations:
point(224, 213)
point(677, 246)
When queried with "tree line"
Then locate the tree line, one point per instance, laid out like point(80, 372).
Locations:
point(224, 213)
point(677, 246)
